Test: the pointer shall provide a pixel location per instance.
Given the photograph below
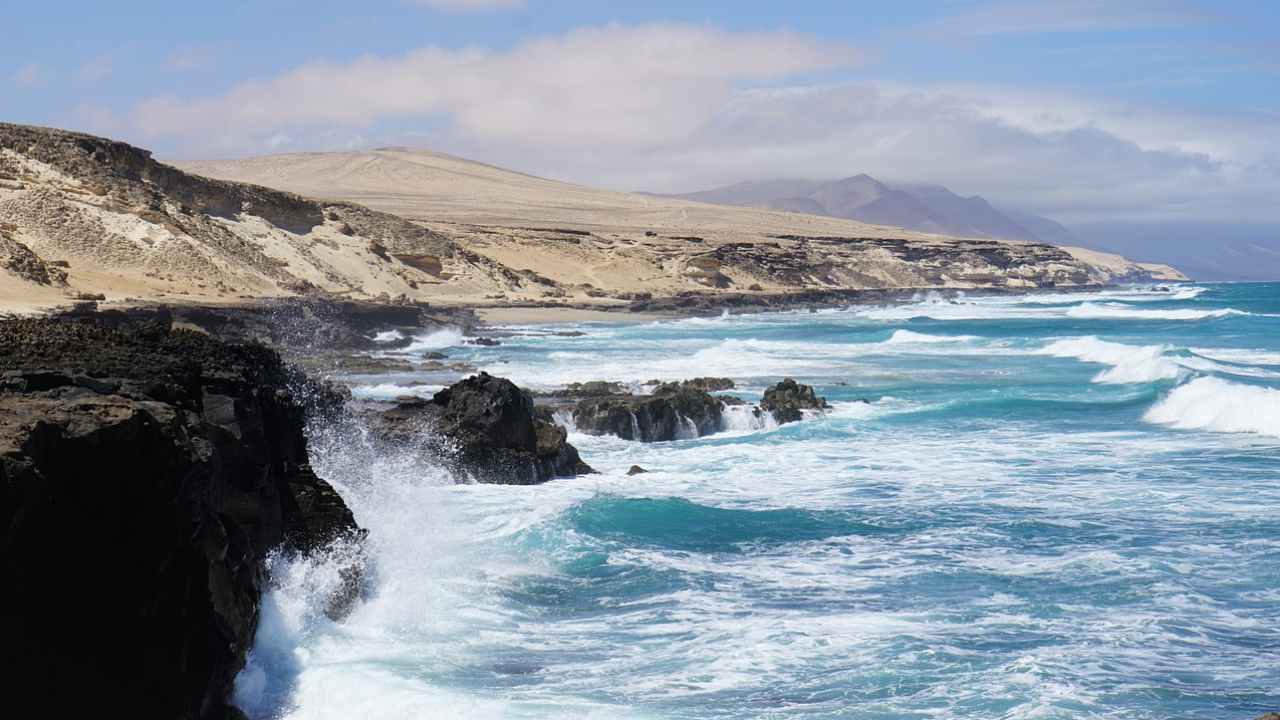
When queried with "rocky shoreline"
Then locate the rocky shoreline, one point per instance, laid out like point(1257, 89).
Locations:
point(152, 460)
point(146, 474)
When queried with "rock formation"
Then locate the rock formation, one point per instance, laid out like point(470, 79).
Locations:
point(488, 430)
point(145, 475)
point(788, 400)
point(674, 411)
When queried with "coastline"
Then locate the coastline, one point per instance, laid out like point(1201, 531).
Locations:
point(689, 304)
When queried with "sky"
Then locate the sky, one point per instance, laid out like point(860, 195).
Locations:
point(1083, 110)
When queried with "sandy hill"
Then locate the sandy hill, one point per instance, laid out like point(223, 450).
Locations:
point(81, 215)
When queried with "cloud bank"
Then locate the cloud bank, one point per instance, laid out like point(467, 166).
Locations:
point(672, 107)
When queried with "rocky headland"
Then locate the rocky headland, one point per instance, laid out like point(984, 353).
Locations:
point(146, 473)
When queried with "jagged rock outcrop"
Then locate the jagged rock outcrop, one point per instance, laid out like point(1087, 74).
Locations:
point(145, 475)
point(674, 411)
point(788, 400)
point(487, 429)
point(18, 259)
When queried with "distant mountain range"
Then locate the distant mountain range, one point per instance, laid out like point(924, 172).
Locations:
point(925, 208)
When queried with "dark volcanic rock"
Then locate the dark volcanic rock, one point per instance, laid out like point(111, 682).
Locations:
point(589, 389)
point(709, 384)
point(788, 398)
point(487, 428)
point(145, 474)
point(636, 470)
point(674, 411)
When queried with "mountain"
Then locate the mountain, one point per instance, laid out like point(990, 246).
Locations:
point(1044, 229)
point(83, 216)
point(924, 208)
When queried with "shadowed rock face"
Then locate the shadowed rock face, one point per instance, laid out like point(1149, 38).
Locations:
point(788, 399)
point(145, 474)
point(487, 429)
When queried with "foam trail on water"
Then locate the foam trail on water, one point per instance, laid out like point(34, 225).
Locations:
point(1238, 355)
point(906, 337)
point(1117, 311)
point(391, 391)
point(1218, 405)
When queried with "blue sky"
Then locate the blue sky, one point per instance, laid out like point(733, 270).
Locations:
point(1084, 109)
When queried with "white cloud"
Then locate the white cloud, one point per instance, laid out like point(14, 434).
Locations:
point(464, 5)
point(614, 84)
point(1069, 158)
point(32, 76)
point(678, 107)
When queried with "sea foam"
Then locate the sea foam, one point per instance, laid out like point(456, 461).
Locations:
point(1119, 311)
point(1214, 404)
point(435, 340)
point(904, 337)
point(1129, 363)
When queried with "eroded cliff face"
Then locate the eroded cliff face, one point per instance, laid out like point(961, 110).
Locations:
point(120, 224)
point(82, 215)
point(145, 475)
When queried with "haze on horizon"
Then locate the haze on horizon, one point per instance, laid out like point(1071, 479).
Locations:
point(1154, 123)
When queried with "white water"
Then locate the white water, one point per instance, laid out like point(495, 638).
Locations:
point(1210, 403)
point(995, 553)
point(1129, 364)
point(436, 340)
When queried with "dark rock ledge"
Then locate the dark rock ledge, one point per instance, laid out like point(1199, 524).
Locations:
point(675, 410)
point(486, 429)
point(145, 475)
point(789, 399)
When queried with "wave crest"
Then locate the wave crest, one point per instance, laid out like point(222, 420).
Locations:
point(1129, 363)
point(1214, 404)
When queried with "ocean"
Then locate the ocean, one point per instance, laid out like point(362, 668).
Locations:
point(1036, 506)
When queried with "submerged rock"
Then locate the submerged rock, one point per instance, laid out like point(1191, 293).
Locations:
point(489, 429)
point(788, 399)
point(636, 470)
point(674, 411)
point(145, 475)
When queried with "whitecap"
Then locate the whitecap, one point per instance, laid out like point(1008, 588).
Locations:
point(435, 340)
point(1214, 404)
point(1119, 311)
point(1129, 363)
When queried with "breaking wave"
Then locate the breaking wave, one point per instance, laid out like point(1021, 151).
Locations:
point(435, 340)
point(1129, 363)
point(1215, 404)
point(1118, 311)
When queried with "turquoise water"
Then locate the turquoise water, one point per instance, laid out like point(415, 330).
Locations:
point(1052, 506)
